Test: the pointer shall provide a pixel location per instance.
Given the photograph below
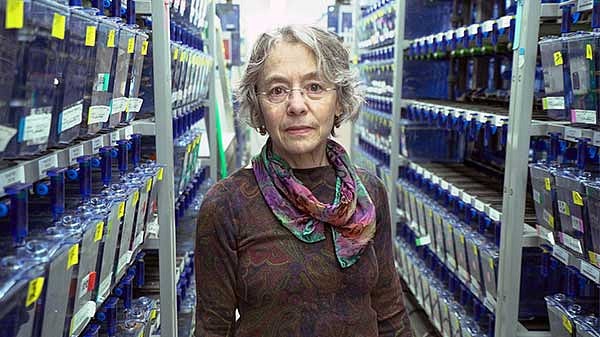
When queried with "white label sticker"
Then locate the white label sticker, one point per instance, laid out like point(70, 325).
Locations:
point(590, 272)
point(466, 198)
point(74, 153)
point(118, 104)
point(454, 191)
point(128, 131)
point(488, 26)
point(82, 317)
point(444, 184)
point(427, 175)
point(537, 196)
point(124, 261)
point(15, 175)
point(494, 214)
point(504, 22)
point(36, 126)
point(563, 208)
point(460, 32)
point(449, 35)
point(84, 285)
point(583, 116)
point(134, 104)
point(584, 5)
point(571, 243)
point(473, 29)
point(479, 205)
point(561, 254)
point(114, 137)
point(490, 303)
point(98, 114)
point(6, 134)
point(139, 239)
point(439, 37)
point(553, 103)
point(435, 179)
point(577, 223)
point(430, 39)
point(71, 117)
point(572, 133)
point(97, 143)
point(596, 139)
point(419, 170)
point(46, 163)
point(104, 288)
point(545, 234)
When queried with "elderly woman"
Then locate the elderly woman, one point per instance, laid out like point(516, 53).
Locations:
point(300, 244)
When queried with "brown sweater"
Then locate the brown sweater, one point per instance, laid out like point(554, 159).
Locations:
point(246, 260)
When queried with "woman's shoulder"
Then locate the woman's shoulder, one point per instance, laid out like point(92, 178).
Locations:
point(242, 181)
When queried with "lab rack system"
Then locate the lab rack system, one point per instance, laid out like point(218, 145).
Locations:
point(489, 151)
point(108, 141)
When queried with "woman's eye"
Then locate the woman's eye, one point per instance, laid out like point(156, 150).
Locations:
point(315, 88)
point(277, 91)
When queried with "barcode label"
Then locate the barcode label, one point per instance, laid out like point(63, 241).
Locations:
point(572, 134)
point(12, 176)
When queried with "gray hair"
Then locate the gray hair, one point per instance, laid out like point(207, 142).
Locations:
point(332, 64)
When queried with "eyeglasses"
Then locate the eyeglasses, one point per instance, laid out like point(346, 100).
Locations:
point(278, 94)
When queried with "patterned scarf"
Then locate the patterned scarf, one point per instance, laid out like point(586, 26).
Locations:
point(351, 215)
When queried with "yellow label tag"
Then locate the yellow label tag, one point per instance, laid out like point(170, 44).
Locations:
point(159, 175)
point(551, 221)
point(131, 45)
point(99, 231)
point(547, 184)
point(58, 26)
point(110, 42)
point(558, 59)
point(149, 185)
point(491, 263)
point(450, 229)
point(144, 47)
point(153, 314)
point(593, 258)
point(461, 238)
point(136, 197)
point(183, 56)
point(73, 257)
point(577, 199)
point(34, 290)
point(567, 324)
point(475, 250)
point(121, 209)
point(15, 14)
point(430, 213)
point(175, 53)
point(90, 36)
point(109, 227)
point(588, 52)
point(189, 148)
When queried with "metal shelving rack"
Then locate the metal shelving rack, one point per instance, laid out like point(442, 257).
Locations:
point(515, 234)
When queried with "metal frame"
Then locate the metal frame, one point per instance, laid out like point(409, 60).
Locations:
point(396, 108)
point(164, 152)
point(212, 93)
point(515, 174)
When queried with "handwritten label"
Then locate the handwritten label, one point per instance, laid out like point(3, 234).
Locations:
point(98, 114)
point(15, 14)
point(553, 103)
point(118, 104)
point(134, 104)
point(34, 290)
point(110, 41)
point(16, 175)
point(583, 116)
point(73, 257)
point(74, 153)
point(90, 36)
point(36, 126)
point(46, 163)
point(558, 59)
point(59, 24)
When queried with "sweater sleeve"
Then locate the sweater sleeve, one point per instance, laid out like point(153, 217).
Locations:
point(387, 298)
point(215, 265)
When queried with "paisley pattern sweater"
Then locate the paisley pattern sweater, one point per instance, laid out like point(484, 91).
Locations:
point(246, 260)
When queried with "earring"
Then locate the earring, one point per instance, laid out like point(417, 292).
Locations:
point(262, 130)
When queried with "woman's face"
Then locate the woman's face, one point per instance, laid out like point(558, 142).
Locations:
point(299, 125)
